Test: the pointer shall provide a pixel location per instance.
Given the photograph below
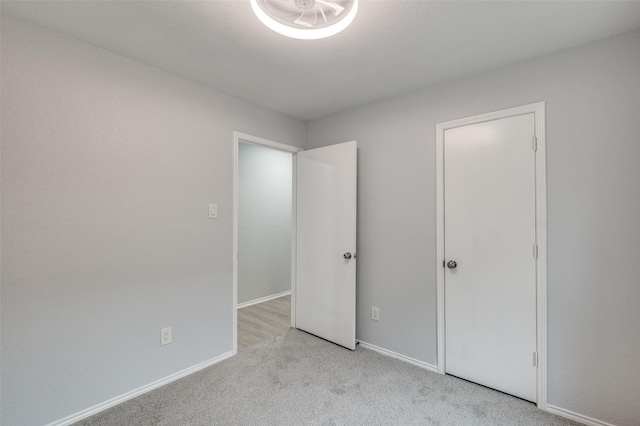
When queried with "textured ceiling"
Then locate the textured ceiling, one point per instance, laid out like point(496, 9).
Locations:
point(392, 47)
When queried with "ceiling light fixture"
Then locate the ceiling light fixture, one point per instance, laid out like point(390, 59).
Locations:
point(306, 19)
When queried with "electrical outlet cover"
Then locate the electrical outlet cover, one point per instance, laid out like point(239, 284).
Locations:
point(165, 336)
point(375, 313)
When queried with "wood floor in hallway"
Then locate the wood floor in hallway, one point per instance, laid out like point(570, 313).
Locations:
point(263, 321)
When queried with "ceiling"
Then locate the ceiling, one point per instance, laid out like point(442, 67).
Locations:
point(392, 47)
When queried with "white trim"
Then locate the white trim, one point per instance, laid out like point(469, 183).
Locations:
point(234, 261)
point(541, 241)
point(294, 238)
point(577, 417)
point(538, 109)
point(263, 299)
point(398, 356)
point(255, 140)
point(137, 392)
point(440, 247)
point(237, 137)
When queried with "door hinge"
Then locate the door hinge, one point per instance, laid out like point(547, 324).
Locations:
point(535, 251)
point(534, 143)
point(535, 359)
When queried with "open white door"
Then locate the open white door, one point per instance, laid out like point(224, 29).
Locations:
point(326, 243)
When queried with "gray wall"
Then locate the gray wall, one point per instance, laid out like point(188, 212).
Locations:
point(592, 95)
point(108, 167)
point(264, 221)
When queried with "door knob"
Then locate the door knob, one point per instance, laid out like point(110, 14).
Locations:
point(452, 264)
point(347, 255)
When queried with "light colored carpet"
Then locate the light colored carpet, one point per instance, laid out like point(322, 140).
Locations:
point(298, 379)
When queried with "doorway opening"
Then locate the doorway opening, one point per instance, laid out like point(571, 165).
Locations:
point(264, 239)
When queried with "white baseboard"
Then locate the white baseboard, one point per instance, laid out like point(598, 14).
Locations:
point(137, 392)
point(589, 421)
point(398, 356)
point(577, 417)
point(263, 299)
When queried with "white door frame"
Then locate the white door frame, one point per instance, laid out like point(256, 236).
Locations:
point(242, 137)
point(538, 109)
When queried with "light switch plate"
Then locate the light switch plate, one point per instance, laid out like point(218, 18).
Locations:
point(213, 211)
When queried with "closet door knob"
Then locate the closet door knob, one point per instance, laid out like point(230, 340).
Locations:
point(452, 264)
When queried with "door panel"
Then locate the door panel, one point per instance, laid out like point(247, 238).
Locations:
point(326, 230)
point(490, 297)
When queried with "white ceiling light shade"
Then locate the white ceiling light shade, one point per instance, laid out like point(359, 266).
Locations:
point(306, 19)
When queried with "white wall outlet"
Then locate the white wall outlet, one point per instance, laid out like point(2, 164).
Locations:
point(165, 336)
point(213, 211)
point(375, 313)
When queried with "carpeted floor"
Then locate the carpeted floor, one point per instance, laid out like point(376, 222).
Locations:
point(298, 379)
